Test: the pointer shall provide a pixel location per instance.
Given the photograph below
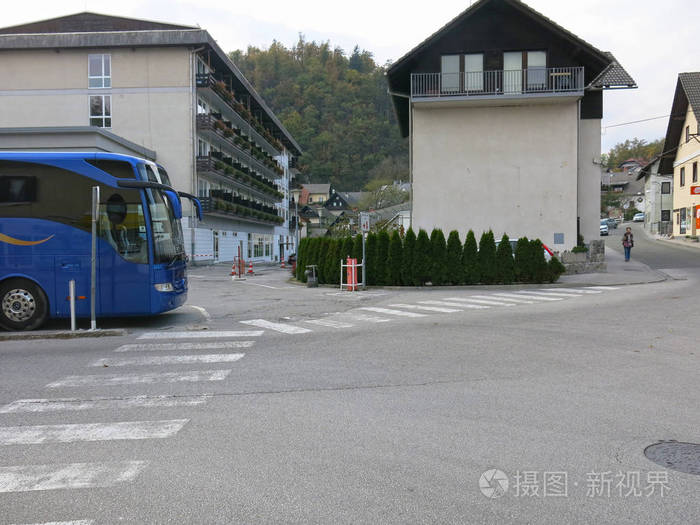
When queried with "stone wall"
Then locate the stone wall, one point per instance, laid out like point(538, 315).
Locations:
point(592, 261)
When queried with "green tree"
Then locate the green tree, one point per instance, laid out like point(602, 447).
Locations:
point(382, 256)
point(395, 260)
point(523, 266)
point(301, 258)
point(409, 248)
point(438, 252)
point(421, 258)
point(322, 253)
point(454, 271)
point(540, 270)
point(470, 260)
point(555, 269)
point(505, 268)
point(487, 258)
point(332, 266)
point(371, 255)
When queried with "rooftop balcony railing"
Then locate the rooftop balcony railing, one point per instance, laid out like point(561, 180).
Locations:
point(537, 80)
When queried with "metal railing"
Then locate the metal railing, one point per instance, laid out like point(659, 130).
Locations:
point(494, 83)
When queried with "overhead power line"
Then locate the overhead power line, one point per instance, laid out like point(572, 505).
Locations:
point(635, 121)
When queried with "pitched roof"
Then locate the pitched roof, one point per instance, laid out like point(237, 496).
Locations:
point(474, 8)
point(87, 22)
point(317, 188)
point(613, 76)
point(687, 94)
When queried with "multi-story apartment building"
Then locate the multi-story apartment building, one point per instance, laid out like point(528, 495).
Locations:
point(681, 155)
point(503, 112)
point(169, 89)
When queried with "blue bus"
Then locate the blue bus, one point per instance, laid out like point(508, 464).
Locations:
point(45, 237)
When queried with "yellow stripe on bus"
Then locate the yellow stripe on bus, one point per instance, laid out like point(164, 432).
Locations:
point(20, 242)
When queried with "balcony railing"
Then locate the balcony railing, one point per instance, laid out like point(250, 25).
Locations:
point(553, 80)
point(207, 80)
point(228, 204)
point(239, 175)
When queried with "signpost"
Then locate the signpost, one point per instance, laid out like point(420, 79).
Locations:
point(364, 226)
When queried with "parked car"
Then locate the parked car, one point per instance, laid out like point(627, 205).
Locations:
point(604, 230)
point(612, 223)
point(638, 217)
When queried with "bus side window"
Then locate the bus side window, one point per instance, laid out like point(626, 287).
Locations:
point(123, 225)
point(15, 189)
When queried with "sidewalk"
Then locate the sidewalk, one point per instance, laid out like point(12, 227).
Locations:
point(619, 273)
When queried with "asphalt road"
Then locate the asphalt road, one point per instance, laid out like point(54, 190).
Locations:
point(362, 415)
point(656, 254)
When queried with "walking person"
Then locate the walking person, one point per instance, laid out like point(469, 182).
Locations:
point(628, 242)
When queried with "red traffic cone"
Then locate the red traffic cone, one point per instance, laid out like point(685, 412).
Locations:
point(283, 266)
point(250, 268)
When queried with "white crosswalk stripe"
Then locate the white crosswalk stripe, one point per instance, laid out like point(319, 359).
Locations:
point(203, 334)
point(426, 308)
point(571, 290)
point(33, 435)
point(277, 327)
point(103, 403)
point(68, 475)
point(145, 360)
point(457, 305)
point(505, 299)
point(489, 302)
point(368, 318)
point(390, 311)
point(604, 288)
point(210, 345)
point(329, 323)
point(72, 522)
point(519, 295)
point(542, 295)
point(555, 294)
point(134, 379)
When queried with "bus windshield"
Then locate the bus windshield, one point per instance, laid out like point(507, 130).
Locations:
point(168, 243)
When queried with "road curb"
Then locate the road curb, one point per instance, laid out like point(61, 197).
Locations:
point(61, 334)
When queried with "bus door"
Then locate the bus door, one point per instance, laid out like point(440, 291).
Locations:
point(72, 268)
point(123, 269)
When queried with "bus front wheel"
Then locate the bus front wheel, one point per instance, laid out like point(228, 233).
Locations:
point(23, 305)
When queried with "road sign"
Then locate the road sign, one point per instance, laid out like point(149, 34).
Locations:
point(695, 190)
point(364, 221)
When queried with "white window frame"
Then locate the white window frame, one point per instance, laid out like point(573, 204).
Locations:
point(474, 71)
point(449, 76)
point(105, 117)
point(104, 80)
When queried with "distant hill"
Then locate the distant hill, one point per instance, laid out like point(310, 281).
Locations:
point(335, 106)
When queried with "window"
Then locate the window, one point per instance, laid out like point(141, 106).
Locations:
point(474, 72)
point(682, 177)
point(665, 188)
point(101, 111)
point(202, 107)
point(695, 171)
point(99, 71)
point(665, 215)
point(17, 189)
point(202, 148)
point(117, 168)
point(536, 70)
point(123, 225)
point(450, 73)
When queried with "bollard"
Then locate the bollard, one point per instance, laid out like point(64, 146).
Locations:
point(71, 293)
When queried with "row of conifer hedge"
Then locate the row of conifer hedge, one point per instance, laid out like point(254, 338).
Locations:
point(414, 260)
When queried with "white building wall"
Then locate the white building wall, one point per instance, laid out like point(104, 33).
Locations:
point(589, 179)
point(509, 169)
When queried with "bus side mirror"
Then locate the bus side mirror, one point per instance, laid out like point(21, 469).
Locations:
point(175, 203)
point(198, 206)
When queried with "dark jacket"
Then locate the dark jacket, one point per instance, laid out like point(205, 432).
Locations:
point(628, 237)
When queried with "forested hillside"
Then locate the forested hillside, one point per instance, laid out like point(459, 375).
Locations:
point(336, 107)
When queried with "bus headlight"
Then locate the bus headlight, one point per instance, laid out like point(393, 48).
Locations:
point(164, 287)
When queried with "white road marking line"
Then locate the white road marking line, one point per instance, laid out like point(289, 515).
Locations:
point(555, 294)
point(491, 297)
point(134, 379)
point(103, 403)
point(203, 334)
point(277, 327)
point(143, 360)
point(329, 323)
point(368, 318)
point(572, 290)
point(426, 308)
point(533, 297)
point(34, 435)
point(68, 475)
point(540, 295)
point(153, 347)
point(603, 287)
point(489, 302)
point(458, 305)
point(72, 522)
point(389, 311)
point(202, 311)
